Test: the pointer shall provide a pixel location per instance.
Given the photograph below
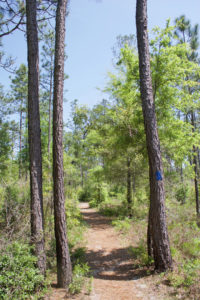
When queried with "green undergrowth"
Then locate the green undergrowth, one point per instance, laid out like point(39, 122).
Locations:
point(184, 236)
point(76, 227)
point(117, 209)
point(81, 278)
point(19, 277)
point(185, 247)
point(122, 225)
point(75, 232)
point(139, 254)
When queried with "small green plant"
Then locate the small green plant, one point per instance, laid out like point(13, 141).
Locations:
point(140, 253)
point(88, 286)
point(176, 280)
point(75, 224)
point(186, 275)
point(182, 194)
point(80, 271)
point(14, 204)
point(19, 279)
point(192, 248)
point(111, 209)
point(84, 195)
point(93, 203)
point(122, 225)
point(78, 255)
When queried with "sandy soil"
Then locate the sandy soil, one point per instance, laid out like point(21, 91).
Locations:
point(114, 275)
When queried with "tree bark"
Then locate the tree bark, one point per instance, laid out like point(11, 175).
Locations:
point(133, 183)
point(37, 224)
point(157, 217)
point(20, 144)
point(129, 194)
point(50, 98)
point(64, 270)
point(195, 153)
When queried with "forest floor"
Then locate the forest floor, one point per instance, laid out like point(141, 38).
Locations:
point(115, 276)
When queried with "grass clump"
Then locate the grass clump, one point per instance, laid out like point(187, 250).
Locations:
point(139, 253)
point(122, 225)
point(185, 248)
point(185, 275)
point(80, 271)
point(80, 277)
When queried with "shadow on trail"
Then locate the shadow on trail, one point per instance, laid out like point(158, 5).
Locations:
point(117, 265)
point(95, 220)
point(111, 264)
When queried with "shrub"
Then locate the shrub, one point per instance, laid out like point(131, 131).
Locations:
point(186, 275)
point(140, 253)
point(14, 206)
point(84, 195)
point(78, 255)
point(112, 209)
point(192, 248)
point(80, 271)
point(122, 225)
point(182, 193)
point(95, 193)
point(19, 277)
point(75, 223)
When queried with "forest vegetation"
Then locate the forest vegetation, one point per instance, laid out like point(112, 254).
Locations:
point(103, 155)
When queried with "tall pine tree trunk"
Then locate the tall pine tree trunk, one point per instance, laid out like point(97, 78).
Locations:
point(37, 224)
point(20, 144)
point(50, 102)
point(129, 193)
point(64, 271)
point(195, 153)
point(157, 217)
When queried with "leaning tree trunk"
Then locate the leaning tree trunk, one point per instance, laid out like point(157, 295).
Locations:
point(158, 227)
point(64, 271)
point(37, 226)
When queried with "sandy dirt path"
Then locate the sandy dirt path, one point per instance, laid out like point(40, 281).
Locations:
point(112, 268)
point(114, 277)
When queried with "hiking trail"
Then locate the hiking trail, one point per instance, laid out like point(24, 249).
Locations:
point(112, 268)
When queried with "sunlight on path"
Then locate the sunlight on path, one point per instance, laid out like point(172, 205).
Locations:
point(112, 268)
point(110, 263)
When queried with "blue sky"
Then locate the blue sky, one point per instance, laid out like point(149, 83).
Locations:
point(91, 30)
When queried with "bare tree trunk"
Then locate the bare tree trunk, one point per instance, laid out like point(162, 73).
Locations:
point(195, 153)
point(157, 217)
point(129, 194)
point(196, 182)
point(149, 238)
point(37, 224)
point(50, 100)
point(64, 270)
point(82, 175)
point(133, 183)
point(26, 147)
point(20, 144)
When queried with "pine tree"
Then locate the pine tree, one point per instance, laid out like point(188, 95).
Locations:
point(64, 270)
point(37, 224)
point(157, 227)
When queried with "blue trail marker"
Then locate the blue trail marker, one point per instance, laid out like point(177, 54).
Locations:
point(158, 175)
